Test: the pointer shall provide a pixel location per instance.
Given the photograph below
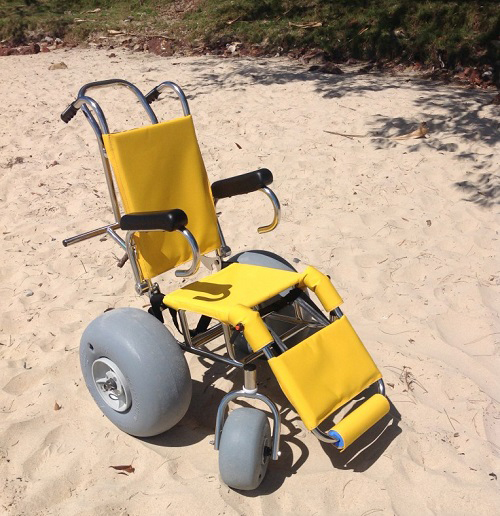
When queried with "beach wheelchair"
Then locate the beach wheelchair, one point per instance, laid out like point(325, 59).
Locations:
point(255, 301)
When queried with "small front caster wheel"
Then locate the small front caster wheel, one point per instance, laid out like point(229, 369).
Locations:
point(245, 448)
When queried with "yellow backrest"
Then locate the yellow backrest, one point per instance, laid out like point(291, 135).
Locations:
point(159, 167)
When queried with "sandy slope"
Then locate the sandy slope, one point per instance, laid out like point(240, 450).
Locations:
point(414, 254)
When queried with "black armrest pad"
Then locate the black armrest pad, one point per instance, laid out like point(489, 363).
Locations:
point(165, 220)
point(242, 184)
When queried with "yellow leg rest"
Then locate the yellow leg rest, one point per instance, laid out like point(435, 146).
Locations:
point(359, 421)
point(325, 371)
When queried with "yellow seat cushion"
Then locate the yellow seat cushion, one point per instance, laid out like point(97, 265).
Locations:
point(325, 371)
point(238, 284)
point(230, 294)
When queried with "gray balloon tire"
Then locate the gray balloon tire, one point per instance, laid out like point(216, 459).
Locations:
point(244, 449)
point(152, 364)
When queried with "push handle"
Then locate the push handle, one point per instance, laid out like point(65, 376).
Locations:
point(277, 211)
point(152, 96)
point(69, 113)
point(155, 93)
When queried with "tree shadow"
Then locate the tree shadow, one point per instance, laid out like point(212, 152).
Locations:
point(484, 190)
point(451, 112)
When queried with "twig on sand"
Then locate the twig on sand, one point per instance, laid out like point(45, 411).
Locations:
point(475, 426)
point(408, 378)
point(340, 134)
point(452, 425)
point(7, 411)
point(398, 333)
point(343, 490)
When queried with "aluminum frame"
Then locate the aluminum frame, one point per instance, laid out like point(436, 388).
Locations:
point(196, 344)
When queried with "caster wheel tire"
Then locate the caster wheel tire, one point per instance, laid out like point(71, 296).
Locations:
point(135, 371)
point(245, 449)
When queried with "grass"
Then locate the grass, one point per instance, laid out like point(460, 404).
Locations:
point(426, 31)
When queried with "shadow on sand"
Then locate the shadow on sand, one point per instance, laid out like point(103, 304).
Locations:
point(199, 423)
point(461, 112)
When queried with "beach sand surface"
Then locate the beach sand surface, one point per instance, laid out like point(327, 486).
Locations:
point(407, 230)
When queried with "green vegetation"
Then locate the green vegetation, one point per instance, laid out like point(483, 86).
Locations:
point(427, 31)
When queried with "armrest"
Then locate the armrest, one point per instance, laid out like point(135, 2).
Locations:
point(171, 220)
point(242, 184)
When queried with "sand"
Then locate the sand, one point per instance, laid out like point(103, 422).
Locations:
point(408, 231)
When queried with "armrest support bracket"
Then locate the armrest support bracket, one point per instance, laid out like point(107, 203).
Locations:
point(172, 220)
point(258, 180)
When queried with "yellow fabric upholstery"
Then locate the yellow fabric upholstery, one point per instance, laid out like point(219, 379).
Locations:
point(159, 167)
point(322, 287)
point(230, 294)
point(325, 371)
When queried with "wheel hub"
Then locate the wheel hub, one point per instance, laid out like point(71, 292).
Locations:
point(111, 384)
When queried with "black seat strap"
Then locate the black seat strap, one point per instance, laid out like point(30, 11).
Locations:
point(283, 301)
point(157, 305)
point(201, 327)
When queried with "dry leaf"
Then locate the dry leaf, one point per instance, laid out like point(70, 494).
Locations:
point(237, 145)
point(421, 132)
point(128, 469)
point(57, 406)
point(429, 223)
point(58, 66)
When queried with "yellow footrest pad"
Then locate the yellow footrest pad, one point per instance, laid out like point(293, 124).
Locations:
point(325, 371)
point(359, 421)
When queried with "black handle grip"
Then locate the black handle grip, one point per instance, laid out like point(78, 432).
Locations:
point(68, 113)
point(152, 96)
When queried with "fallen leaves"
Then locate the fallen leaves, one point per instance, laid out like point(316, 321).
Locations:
point(16, 161)
point(124, 470)
point(57, 406)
